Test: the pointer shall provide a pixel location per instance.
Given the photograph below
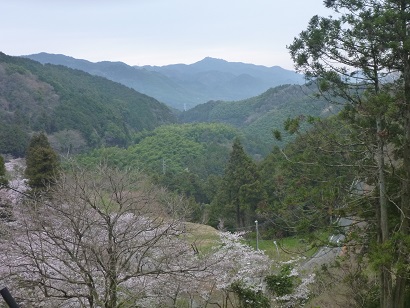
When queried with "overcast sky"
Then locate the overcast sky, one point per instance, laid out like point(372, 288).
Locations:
point(157, 32)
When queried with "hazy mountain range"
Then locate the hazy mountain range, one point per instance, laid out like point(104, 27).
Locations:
point(70, 103)
point(183, 86)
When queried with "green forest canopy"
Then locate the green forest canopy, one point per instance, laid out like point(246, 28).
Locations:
point(50, 98)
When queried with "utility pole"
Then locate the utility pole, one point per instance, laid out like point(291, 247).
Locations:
point(277, 249)
point(257, 235)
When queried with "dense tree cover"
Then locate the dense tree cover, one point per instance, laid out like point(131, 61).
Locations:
point(353, 165)
point(256, 117)
point(308, 182)
point(227, 186)
point(42, 163)
point(363, 56)
point(187, 158)
point(52, 99)
point(356, 164)
point(173, 149)
point(13, 139)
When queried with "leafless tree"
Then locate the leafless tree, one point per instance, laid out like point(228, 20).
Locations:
point(100, 238)
point(67, 142)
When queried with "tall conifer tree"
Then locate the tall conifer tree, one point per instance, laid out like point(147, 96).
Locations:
point(351, 56)
point(42, 163)
point(240, 191)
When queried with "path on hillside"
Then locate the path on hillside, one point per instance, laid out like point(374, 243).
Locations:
point(327, 254)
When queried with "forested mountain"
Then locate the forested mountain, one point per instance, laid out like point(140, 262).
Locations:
point(74, 108)
point(182, 85)
point(201, 148)
point(342, 182)
point(185, 158)
point(258, 116)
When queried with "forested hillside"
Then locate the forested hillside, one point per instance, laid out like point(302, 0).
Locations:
point(185, 158)
point(173, 149)
point(75, 109)
point(208, 162)
point(258, 116)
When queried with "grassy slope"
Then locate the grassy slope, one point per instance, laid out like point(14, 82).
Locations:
point(205, 237)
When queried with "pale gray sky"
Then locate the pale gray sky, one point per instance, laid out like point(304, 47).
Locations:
point(157, 32)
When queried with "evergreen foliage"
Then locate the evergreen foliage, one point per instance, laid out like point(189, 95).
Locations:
point(173, 149)
point(307, 187)
point(282, 283)
point(188, 159)
point(240, 192)
point(356, 164)
point(250, 298)
point(41, 163)
point(362, 55)
point(13, 139)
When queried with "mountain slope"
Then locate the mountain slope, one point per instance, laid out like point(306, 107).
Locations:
point(202, 148)
point(182, 85)
point(55, 99)
point(259, 115)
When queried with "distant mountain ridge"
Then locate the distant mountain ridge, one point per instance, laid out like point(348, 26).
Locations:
point(185, 85)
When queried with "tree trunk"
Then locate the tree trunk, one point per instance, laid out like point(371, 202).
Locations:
point(238, 214)
point(384, 227)
point(386, 299)
point(112, 269)
point(402, 275)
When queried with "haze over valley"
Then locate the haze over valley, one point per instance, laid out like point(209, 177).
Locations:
point(183, 86)
point(235, 154)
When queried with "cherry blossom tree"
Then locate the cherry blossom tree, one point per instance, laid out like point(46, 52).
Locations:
point(241, 265)
point(97, 240)
point(108, 238)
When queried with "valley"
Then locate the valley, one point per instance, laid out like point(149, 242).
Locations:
point(219, 184)
point(183, 86)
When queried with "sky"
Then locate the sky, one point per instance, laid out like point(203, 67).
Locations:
point(157, 32)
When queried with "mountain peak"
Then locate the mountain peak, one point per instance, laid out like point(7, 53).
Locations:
point(208, 60)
